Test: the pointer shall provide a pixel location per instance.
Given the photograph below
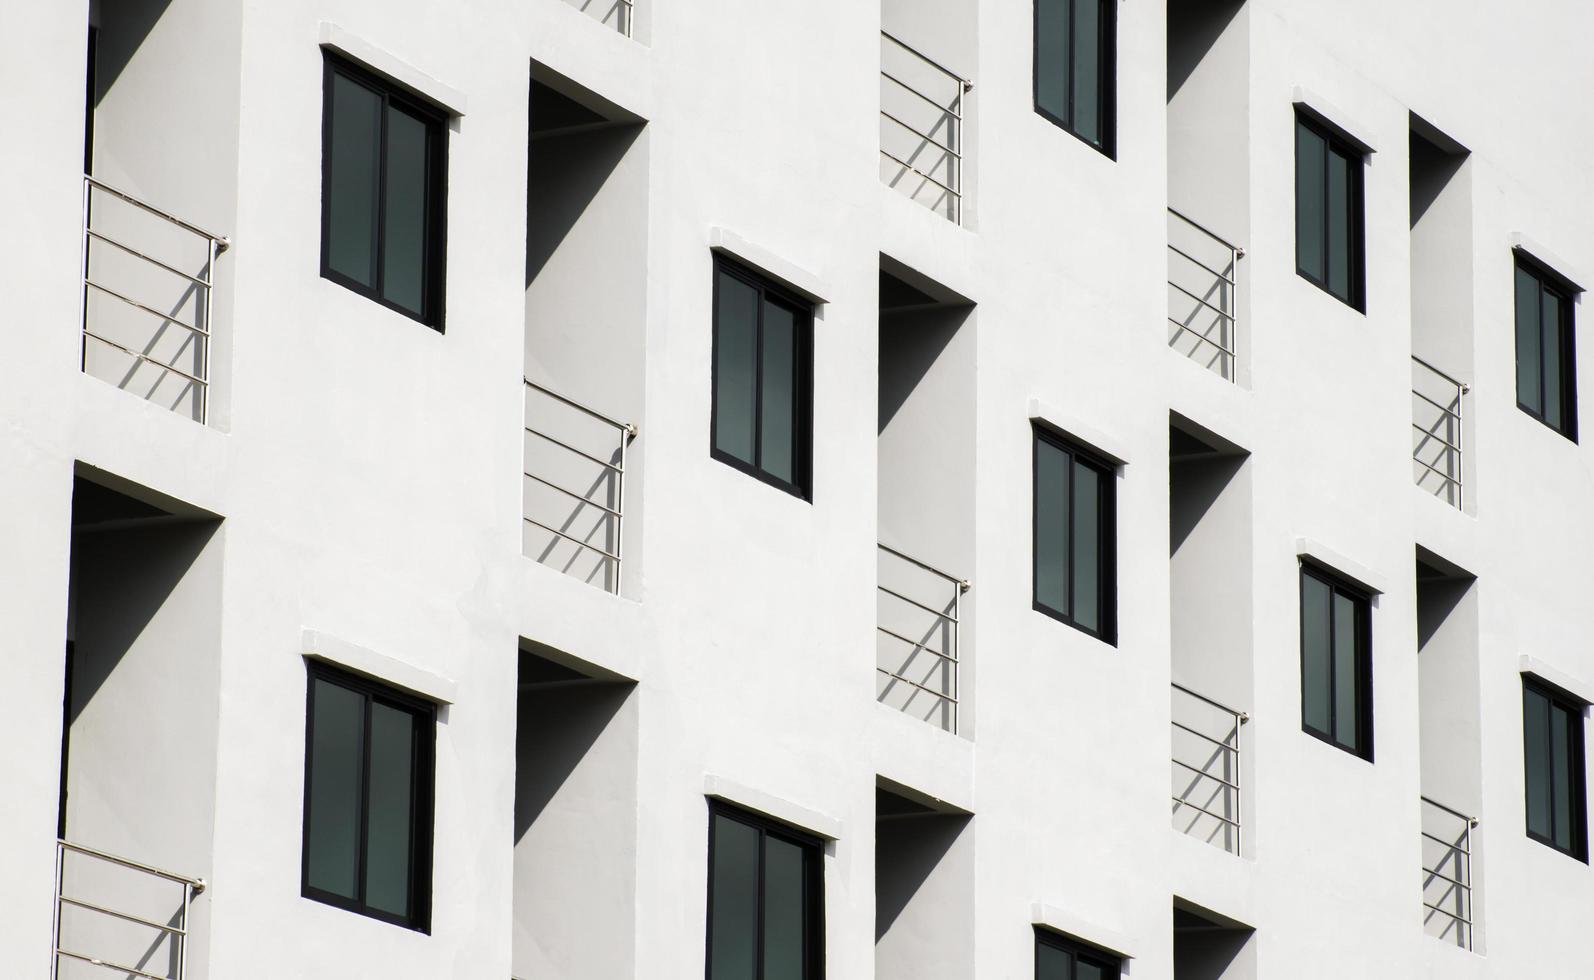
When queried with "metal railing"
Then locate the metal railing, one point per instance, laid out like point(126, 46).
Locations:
point(1447, 873)
point(1436, 454)
point(1206, 768)
point(172, 934)
point(918, 611)
point(574, 523)
point(921, 127)
point(147, 320)
point(621, 12)
point(1203, 272)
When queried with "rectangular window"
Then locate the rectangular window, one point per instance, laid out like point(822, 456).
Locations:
point(368, 798)
point(1336, 663)
point(1552, 741)
point(382, 192)
point(1074, 70)
point(763, 359)
point(765, 900)
point(1328, 211)
point(1074, 536)
point(1546, 353)
point(1058, 958)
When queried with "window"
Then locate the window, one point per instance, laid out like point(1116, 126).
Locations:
point(368, 798)
point(763, 354)
point(1552, 740)
point(1336, 663)
point(1057, 958)
point(382, 193)
point(1328, 211)
point(1074, 67)
point(1074, 536)
point(765, 900)
point(1546, 359)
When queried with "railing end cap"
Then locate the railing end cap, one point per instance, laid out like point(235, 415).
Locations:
point(199, 886)
point(1244, 716)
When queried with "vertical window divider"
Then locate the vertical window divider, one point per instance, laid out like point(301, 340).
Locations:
point(363, 843)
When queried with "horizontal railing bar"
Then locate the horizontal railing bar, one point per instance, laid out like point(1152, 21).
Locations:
point(152, 260)
point(146, 358)
point(1198, 226)
point(1452, 845)
point(937, 694)
point(1471, 821)
point(968, 83)
point(1241, 715)
point(628, 427)
point(922, 134)
point(1235, 823)
point(1441, 474)
point(1458, 384)
point(1200, 336)
point(1430, 435)
point(1206, 775)
point(572, 494)
point(579, 452)
point(172, 930)
point(954, 113)
point(1454, 413)
point(919, 645)
point(1454, 915)
point(572, 540)
point(152, 312)
point(1226, 316)
point(961, 583)
point(1221, 275)
point(107, 964)
point(1209, 738)
point(1436, 873)
point(198, 884)
point(915, 602)
point(912, 169)
point(221, 240)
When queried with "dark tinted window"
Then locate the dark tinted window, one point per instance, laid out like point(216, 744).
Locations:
point(1546, 359)
point(1336, 663)
point(1074, 67)
point(1552, 739)
point(1074, 528)
point(766, 909)
point(382, 195)
point(1059, 958)
point(368, 798)
point(1328, 211)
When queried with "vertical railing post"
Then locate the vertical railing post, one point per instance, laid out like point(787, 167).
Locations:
point(55, 928)
point(83, 288)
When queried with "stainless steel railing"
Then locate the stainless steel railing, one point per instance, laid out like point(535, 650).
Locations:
point(1206, 768)
point(921, 127)
point(148, 311)
point(1436, 453)
point(918, 614)
point(1203, 274)
point(172, 934)
point(1447, 873)
point(567, 442)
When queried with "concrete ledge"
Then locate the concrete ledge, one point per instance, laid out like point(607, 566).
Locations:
point(1079, 430)
point(726, 242)
point(384, 63)
point(1354, 572)
point(1577, 687)
point(1552, 263)
point(1054, 919)
point(379, 667)
point(787, 812)
point(1321, 110)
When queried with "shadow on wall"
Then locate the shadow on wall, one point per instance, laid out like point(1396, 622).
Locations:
point(1193, 27)
point(122, 26)
point(559, 720)
point(573, 153)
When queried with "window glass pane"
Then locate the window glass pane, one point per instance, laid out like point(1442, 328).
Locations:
point(1087, 547)
point(1051, 526)
point(1089, 970)
point(404, 216)
point(1536, 745)
point(1087, 69)
point(1561, 775)
point(1315, 665)
point(1052, 963)
point(1345, 672)
point(1529, 338)
point(777, 452)
point(337, 733)
point(783, 910)
point(735, 367)
point(1339, 224)
point(1309, 177)
point(1051, 56)
point(1551, 313)
point(387, 839)
point(733, 893)
point(353, 182)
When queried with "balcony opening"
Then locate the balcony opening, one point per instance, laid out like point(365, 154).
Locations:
point(1451, 745)
point(586, 305)
point(1208, 182)
point(1211, 611)
point(1441, 313)
point(924, 887)
point(926, 493)
point(575, 818)
point(138, 732)
point(927, 54)
point(1208, 946)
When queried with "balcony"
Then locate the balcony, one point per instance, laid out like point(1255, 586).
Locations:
point(921, 128)
point(1202, 279)
point(1447, 873)
point(1206, 769)
point(149, 282)
point(573, 487)
point(1436, 404)
point(143, 934)
point(917, 610)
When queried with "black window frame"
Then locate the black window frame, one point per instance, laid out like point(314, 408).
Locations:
point(435, 234)
point(1549, 282)
point(1107, 56)
point(801, 486)
point(422, 797)
point(1107, 532)
point(1338, 585)
point(1076, 950)
point(1356, 157)
point(813, 887)
point(1578, 781)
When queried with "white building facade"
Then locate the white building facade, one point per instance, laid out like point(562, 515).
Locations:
point(443, 533)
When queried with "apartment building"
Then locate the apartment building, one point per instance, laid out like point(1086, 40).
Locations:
point(682, 488)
